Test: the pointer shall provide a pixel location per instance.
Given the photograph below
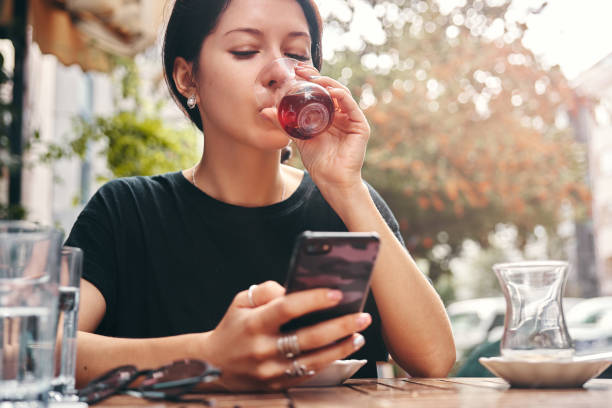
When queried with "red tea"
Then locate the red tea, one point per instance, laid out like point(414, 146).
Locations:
point(306, 112)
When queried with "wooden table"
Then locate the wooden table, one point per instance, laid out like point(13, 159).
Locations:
point(407, 392)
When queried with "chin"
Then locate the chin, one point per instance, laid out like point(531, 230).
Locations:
point(271, 138)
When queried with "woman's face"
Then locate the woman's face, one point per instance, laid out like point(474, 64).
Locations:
point(250, 34)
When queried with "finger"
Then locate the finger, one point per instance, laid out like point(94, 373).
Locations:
point(261, 295)
point(267, 292)
point(325, 333)
point(314, 76)
point(317, 361)
point(279, 311)
point(347, 104)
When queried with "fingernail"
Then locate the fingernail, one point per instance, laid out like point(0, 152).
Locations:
point(358, 341)
point(334, 295)
point(315, 76)
point(364, 319)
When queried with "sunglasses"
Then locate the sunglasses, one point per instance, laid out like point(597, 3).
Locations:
point(169, 382)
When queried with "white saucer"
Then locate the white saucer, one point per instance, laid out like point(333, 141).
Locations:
point(334, 374)
point(568, 373)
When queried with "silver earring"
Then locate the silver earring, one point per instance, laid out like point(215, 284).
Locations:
point(191, 102)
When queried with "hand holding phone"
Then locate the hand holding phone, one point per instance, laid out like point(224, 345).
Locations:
point(334, 260)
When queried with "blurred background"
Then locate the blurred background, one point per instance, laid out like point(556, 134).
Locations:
point(491, 131)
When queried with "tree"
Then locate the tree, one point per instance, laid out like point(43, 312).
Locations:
point(465, 124)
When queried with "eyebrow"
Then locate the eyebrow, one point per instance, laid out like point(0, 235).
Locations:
point(256, 32)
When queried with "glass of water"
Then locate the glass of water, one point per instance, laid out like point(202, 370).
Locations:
point(29, 282)
point(68, 310)
point(534, 328)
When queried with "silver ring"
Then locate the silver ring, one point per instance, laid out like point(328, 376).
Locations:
point(250, 295)
point(298, 370)
point(288, 346)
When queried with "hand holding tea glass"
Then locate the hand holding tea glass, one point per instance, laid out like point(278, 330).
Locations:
point(320, 114)
point(303, 109)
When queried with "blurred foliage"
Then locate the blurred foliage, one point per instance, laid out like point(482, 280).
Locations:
point(136, 145)
point(135, 140)
point(463, 120)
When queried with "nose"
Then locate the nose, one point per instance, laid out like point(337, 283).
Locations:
point(278, 72)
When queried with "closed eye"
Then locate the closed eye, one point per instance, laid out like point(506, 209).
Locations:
point(249, 54)
point(244, 54)
point(298, 57)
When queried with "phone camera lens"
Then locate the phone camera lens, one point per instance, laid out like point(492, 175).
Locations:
point(311, 248)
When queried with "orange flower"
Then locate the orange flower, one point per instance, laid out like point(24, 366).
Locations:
point(437, 203)
point(427, 242)
point(423, 202)
point(451, 190)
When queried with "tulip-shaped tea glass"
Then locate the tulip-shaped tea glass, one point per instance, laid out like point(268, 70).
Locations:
point(304, 108)
point(534, 328)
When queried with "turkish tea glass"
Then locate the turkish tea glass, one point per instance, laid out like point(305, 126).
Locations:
point(534, 327)
point(304, 109)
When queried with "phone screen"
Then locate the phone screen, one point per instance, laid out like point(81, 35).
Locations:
point(334, 260)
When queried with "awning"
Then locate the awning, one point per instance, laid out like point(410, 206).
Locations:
point(89, 32)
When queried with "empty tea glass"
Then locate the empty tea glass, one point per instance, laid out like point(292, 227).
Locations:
point(304, 109)
point(534, 327)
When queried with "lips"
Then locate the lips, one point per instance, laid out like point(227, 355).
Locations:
point(268, 112)
point(265, 102)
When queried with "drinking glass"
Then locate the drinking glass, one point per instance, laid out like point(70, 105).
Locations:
point(534, 327)
point(29, 278)
point(304, 109)
point(68, 311)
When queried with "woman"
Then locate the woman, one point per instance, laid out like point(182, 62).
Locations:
point(167, 257)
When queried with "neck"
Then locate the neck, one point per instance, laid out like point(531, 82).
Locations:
point(240, 175)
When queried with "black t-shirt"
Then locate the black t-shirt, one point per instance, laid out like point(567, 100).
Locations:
point(169, 259)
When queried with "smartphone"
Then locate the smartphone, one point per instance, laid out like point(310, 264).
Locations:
point(334, 260)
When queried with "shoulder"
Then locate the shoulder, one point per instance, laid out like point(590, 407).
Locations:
point(139, 186)
point(122, 193)
point(138, 183)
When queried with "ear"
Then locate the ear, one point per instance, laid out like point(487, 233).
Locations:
point(183, 77)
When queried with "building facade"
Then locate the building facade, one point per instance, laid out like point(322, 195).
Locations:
point(593, 117)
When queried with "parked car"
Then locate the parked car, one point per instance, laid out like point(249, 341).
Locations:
point(472, 320)
point(590, 325)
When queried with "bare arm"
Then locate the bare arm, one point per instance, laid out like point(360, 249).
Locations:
point(415, 325)
point(97, 354)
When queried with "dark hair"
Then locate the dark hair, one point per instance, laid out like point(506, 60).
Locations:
point(190, 23)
